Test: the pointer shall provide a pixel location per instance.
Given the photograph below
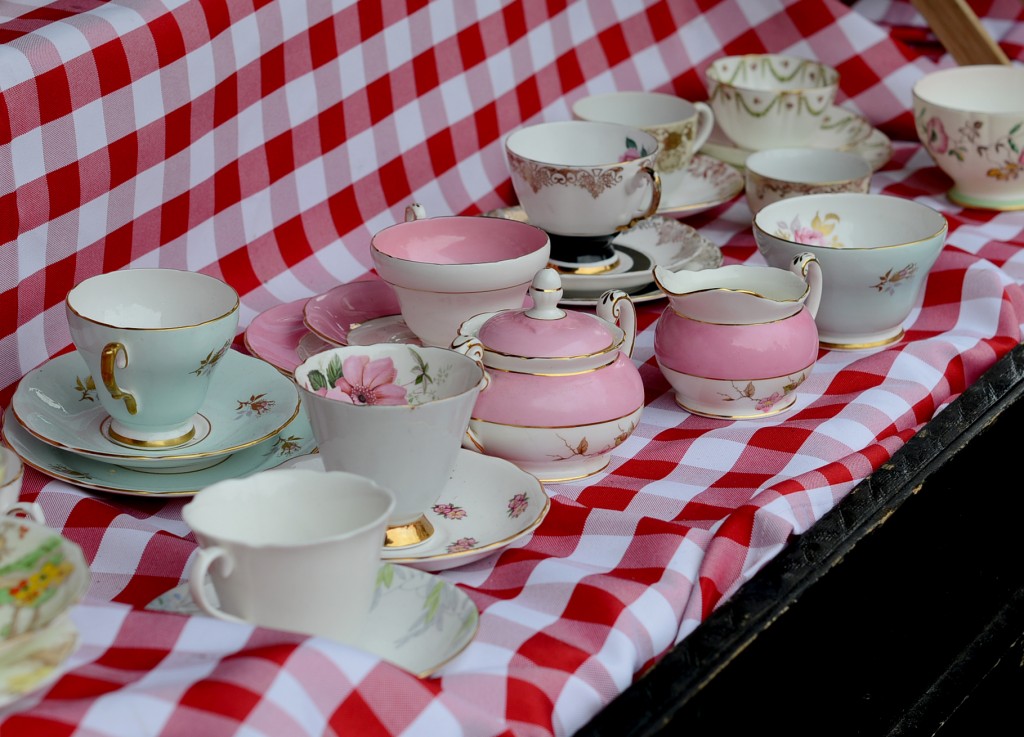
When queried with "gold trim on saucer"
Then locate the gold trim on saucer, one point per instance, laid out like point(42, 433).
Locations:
point(402, 536)
point(489, 546)
point(115, 457)
point(152, 444)
point(583, 270)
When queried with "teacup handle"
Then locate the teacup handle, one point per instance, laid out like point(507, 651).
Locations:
point(32, 510)
point(705, 124)
point(205, 558)
point(415, 211)
point(108, 362)
point(652, 209)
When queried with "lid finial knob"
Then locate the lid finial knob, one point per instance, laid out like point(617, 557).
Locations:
point(546, 291)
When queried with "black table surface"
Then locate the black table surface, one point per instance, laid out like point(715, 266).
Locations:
point(914, 582)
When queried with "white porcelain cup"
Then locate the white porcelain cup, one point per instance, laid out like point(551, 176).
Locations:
point(290, 549)
point(971, 120)
point(584, 182)
point(780, 173)
point(680, 126)
point(152, 339)
point(766, 101)
point(12, 471)
point(445, 270)
point(396, 414)
point(875, 252)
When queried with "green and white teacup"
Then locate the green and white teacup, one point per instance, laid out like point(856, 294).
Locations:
point(152, 339)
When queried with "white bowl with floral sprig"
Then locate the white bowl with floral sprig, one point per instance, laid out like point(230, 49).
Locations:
point(875, 253)
point(396, 414)
point(971, 121)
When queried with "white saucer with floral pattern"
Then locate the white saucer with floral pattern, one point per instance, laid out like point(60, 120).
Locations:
point(248, 402)
point(417, 621)
point(487, 505)
point(293, 440)
point(709, 182)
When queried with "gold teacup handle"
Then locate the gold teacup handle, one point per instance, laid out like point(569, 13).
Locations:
point(108, 362)
point(652, 209)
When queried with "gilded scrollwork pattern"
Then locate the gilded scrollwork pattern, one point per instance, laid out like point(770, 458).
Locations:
point(594, 181)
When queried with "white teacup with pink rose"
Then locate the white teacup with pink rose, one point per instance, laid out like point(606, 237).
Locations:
point(396, 414)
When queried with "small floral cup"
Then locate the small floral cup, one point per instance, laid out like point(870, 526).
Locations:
point(396, 414)
point(971, 121)
point(875, 253)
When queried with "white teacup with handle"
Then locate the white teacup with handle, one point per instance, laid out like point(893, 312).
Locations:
point(290, 549)
point(394, 413)
point(680, 126)
point(152, 339)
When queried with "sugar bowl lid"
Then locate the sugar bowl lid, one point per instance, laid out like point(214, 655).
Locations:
point(545, 330)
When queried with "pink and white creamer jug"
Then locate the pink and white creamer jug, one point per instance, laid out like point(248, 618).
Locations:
point(562, 391)
point(735, 342)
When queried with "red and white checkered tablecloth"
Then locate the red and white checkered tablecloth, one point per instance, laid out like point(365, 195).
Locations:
point(264, 143)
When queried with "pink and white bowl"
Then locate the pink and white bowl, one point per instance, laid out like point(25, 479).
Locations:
point(562, 391)
point(444, 270)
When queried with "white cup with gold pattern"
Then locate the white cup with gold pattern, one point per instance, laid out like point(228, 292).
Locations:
point(680, 126)
point(152, 339)
point(584, 182)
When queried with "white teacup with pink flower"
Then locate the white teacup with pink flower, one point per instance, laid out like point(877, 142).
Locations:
point(875, 252)
point(394, 413)
point(971, 120)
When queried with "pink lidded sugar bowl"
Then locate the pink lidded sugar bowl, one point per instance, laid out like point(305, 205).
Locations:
point(562, 391)
point(737, 341)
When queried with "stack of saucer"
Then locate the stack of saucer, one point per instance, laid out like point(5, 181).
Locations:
point(250, 420)
point(42, 575)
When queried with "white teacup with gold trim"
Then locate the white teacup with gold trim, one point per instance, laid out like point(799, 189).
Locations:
point(584, 182)
point(396, 414)
point(152, 339)
point(680, 126)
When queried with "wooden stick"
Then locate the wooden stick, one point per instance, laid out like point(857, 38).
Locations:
point(959, 30)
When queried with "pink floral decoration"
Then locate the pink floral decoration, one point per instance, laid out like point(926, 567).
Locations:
point(367, 382)
point(629, 155)
point(449, 511)
point(765, 404)
point(804, 234)
point(463, 543)
point(517, 505)
point(938, 140)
